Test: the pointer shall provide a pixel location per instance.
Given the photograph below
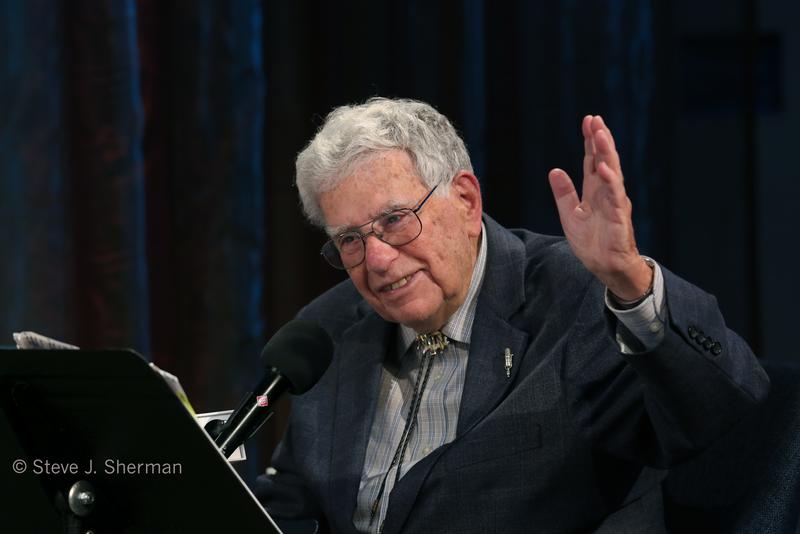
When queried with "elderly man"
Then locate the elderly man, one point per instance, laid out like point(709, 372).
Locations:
point(484, 379)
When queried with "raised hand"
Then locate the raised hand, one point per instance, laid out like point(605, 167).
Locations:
point(598, 225)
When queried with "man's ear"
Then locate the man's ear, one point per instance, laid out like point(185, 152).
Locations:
point(466, 191)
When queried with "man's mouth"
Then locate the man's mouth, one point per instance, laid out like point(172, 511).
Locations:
point(400, 283)
point(397, 285)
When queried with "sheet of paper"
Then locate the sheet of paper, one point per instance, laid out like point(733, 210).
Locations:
point(175, 385)
point(32, 340)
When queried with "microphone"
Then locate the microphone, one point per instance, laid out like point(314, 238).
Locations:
point(295, 359)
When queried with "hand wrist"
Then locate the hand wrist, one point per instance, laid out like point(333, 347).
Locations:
point(636, 288)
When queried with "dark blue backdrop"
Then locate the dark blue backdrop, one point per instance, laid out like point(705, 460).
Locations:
point(146, 152)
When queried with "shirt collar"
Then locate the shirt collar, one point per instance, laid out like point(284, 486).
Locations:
point(459, 326)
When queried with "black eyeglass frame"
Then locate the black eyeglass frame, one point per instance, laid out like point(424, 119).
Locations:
point(331, 245)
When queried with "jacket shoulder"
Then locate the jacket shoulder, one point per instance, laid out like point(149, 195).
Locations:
point(550, 260)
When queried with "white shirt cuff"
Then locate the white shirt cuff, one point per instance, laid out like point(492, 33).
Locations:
point(646, 320)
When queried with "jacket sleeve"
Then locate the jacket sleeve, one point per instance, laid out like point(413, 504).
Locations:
point(663, 405)
point(282, 490)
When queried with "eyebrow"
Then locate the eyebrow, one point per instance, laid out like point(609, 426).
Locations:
point(391, 206)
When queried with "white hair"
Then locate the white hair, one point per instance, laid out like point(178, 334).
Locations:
point(352, 133)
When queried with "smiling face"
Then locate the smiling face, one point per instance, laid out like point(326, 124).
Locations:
point(422, 283)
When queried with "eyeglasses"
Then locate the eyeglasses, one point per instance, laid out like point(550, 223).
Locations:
point(396, 227)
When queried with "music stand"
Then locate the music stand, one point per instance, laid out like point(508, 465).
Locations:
point(140, 461)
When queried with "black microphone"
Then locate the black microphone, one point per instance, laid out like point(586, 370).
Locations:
point(295, 359)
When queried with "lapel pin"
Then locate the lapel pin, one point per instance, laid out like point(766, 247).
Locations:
point(509, 362)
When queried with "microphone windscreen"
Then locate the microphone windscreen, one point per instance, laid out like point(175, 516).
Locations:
point(301, 351)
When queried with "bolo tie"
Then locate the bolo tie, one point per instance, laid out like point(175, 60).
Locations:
point(428, 346)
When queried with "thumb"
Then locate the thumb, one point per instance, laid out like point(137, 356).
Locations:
point(564, 192)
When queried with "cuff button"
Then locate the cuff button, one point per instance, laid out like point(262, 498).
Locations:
point(655, 327)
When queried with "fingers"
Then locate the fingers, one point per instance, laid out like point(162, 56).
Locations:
point(616, 189)
point(588, 146)
point(598, 124)
point(605, 149)
point(602, 172)
point(564, 193)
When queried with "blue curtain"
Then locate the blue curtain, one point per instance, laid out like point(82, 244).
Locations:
point(132, 190)
point(147, 147)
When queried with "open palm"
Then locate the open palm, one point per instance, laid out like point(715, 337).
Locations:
point(598, 225)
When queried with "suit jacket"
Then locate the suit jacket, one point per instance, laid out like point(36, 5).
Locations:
point(577, 439)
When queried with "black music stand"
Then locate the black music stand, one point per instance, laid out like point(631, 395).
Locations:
point(143, 464)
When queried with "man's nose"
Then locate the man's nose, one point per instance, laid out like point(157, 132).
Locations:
point(378, 255)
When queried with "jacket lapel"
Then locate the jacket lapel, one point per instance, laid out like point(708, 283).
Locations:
point(363, 350)
point(486, 381)
point(485, 384)
point(502, 294)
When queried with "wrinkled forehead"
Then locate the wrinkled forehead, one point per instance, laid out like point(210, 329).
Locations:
point(380, 184)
